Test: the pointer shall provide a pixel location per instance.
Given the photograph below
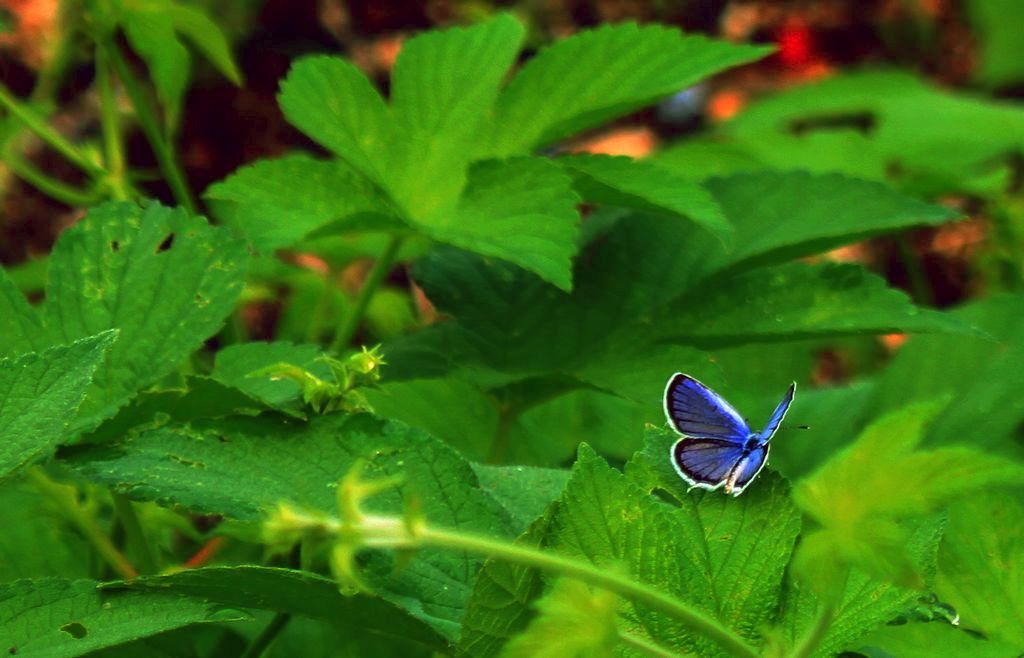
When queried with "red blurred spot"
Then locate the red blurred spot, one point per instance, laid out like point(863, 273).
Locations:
point(796, 44)
point(893, 342)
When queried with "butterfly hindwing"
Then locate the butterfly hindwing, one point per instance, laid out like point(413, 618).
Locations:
point(694, 410)
point(705, 463)
point(747, 469)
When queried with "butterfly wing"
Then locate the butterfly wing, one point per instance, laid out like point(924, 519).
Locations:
point(746, 470)
point(705, 463)
point(694, 410)
point(778, 414)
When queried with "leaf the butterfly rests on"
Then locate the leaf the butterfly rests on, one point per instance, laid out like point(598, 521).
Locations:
point(718, 448)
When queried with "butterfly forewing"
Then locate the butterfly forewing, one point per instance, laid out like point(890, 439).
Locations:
point(778, 414)
point(695, 410)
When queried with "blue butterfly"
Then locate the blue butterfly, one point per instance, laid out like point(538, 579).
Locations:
point(718, 448)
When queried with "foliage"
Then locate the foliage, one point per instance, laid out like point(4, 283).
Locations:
point(484, 484)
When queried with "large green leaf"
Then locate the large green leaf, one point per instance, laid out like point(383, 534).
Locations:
point(594, 76)
point(443, 86)
point(781, 216)
point(864, 603)
point(734, 550)
point(982, 376)
point(36, 541)
point(240, 365)
point(287, 591)
point(277, 203)
point(499, 608)
point(863, 497)
point(331, 100)
point(522, 210)
point(921, 639)
point(39, 396)
point(981, 566)
point(56, 617)
point(628, 183)
point(165, 280)
point(869, 124)
point(20, 327)
point(798, 300)
point(244, 467)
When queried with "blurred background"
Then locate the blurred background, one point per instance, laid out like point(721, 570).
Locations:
point(918, 93)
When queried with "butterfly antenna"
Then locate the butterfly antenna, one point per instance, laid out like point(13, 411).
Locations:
point(794, 427)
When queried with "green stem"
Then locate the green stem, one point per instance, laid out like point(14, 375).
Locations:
point(643, 645)
point(48, 185)
point(269, 634)
point(163, 151)
point(38, 125)
point(605, 578)
point(113, 139)
point(499, 444)
point(134, 534)
point(816, 634)
point(65, 499)
point(377, 273)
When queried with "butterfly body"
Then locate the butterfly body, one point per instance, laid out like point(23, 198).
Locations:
point(718, 449)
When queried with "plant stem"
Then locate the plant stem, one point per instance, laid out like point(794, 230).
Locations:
point(150, 127)
point(64, 497)
point(816, 633)
point(377, 273)
point(273, 629)
point(643, 645)
point(50, 76)
point(499, 444)
point(51, 187)
point(605, 578)
point(38, 125)
point(113, 141)
point(134, 534)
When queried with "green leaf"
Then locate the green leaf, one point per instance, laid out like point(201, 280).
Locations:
point(150, 31)
point(982, 377)
point(861, 496)
point(733, 551)
point(781, 216)
point(443, 86)
point(36, 541)
point(55, 617)
point(609, 520)
point(276, 203)
point(572, 620)
point(287, 591)
point(521, 210)
point(39, 396)
point(596, 75)
point(331, 101)
point(244, 467)
point(876, 124)
point(921, 639)
point(864, 603)
point(207, 37)
point(525, 491)
point(21, 330)
point(500, 604)
point(1001, 52)
point(799, 300)
point(165, 280)
point(235, 366)
point(980, 562)
point(628, 183)
point(451, 409)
